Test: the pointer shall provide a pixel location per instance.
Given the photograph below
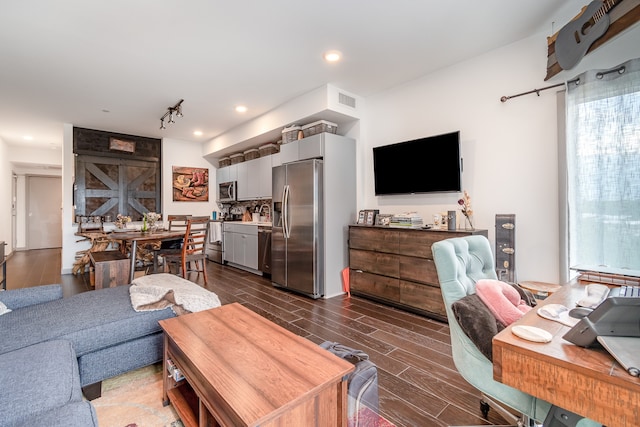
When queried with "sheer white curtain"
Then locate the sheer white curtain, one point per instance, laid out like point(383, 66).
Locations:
point(603, 169)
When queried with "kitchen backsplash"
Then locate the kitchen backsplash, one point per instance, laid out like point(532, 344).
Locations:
point(234, 211)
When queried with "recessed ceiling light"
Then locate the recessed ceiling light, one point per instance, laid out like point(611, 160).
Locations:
point(241, 109)
point(332, 56)
point(197, 133)
point(28, 137)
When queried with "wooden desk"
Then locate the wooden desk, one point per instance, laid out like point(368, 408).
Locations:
point(241, 369)
point(137, 236)
point(588, 382)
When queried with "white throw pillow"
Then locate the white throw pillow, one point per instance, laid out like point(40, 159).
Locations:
point(3, 308)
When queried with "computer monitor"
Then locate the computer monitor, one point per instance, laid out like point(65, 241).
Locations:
point(615, 316)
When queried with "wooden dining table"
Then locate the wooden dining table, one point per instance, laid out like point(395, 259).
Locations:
point(136, 237)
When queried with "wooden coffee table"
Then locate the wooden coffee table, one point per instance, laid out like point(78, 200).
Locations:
point(241, 369)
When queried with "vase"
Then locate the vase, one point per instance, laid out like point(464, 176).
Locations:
point(451, 220)
point(468, 223)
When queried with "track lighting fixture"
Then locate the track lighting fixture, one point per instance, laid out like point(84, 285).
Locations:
point(175, 111)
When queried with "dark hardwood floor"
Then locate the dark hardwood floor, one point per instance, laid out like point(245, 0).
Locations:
point(418, 382)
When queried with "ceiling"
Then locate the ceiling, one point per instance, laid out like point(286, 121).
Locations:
point(118, 65)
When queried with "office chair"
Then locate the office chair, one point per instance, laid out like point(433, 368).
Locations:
point(460, 263)
point(192, 253)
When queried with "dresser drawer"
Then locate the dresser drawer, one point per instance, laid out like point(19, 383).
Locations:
point(374, 285)
point(423, 297)
point(374, 262)
point(374, 239)
point(420, 270)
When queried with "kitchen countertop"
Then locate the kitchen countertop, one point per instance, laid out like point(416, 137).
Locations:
point(259, 223)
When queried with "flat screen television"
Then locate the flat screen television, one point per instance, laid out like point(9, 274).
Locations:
point(426, 165)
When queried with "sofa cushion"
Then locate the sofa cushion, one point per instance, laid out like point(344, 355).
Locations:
point(36, 379)
point(90, 320)
point(80, 414)
point(477, 322)
point(503, 300)
point(23, 297)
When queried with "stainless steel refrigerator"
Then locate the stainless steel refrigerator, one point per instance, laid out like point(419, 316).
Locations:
point(297, 255)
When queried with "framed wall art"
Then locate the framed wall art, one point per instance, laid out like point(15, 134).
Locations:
point(190, 184)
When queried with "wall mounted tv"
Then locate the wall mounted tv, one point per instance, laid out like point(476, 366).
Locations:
point(426, 165)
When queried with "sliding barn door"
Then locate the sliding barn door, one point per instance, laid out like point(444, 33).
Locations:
point(112, 186)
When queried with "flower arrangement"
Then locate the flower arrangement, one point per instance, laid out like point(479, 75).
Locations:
point(122, 220)
point(465, 204)
point(152, 217)
point(149, 220)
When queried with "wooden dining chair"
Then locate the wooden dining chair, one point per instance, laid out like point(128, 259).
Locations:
point(176, 223)
point(192, 255)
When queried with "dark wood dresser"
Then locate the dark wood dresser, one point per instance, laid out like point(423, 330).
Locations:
point(395, 266)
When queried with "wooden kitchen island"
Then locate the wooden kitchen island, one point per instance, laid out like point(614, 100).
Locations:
point(241, 369)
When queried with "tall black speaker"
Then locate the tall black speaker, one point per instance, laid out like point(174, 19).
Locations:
point(506, 247)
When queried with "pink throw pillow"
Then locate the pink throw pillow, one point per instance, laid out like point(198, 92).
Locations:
point(502, 299)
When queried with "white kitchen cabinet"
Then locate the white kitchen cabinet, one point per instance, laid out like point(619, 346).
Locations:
point(311, 147)
point(289, 152)
point(243, 180)
point(276, 160)
point(254, 179)
point(241, 244)
point(264, 177)
point(227, 174)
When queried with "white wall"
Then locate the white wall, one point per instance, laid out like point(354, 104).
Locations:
point(174, 153)
point(183, 153)
point(70, 243)
point(509, 149)
point(23, 162)
point(5, 196)
point(30, 161)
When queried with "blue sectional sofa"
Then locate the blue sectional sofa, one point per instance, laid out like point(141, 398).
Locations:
point(53, 346)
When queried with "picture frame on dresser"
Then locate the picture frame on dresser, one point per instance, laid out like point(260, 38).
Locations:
point(361, 217)
point(383, 220)
point(370, 216)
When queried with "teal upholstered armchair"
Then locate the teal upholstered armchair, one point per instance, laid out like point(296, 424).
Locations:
point(460, 263)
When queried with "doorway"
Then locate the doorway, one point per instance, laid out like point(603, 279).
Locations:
point(44, 212)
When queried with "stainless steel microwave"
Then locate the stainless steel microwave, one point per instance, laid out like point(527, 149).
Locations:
point(227, 192)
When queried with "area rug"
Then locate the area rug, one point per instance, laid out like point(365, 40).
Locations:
point(134, 399)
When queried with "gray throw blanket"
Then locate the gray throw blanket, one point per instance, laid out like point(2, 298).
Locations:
point(158, 291)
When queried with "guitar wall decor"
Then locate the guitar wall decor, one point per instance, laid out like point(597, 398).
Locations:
point(575, 38)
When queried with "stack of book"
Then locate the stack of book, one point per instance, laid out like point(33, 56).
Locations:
point(408, 219)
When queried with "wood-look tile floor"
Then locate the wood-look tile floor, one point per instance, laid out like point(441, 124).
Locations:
point(418, 382)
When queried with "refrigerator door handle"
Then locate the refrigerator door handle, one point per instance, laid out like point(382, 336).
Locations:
point(285, 212)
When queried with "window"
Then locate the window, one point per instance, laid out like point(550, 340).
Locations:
point(603, 170)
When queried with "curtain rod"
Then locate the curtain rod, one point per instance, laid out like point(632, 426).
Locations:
point(599, 75)
point(536, 91)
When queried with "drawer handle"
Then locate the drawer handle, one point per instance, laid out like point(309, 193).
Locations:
point(508, 251)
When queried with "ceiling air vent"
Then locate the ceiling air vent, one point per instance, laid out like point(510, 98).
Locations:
point(347, 100)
